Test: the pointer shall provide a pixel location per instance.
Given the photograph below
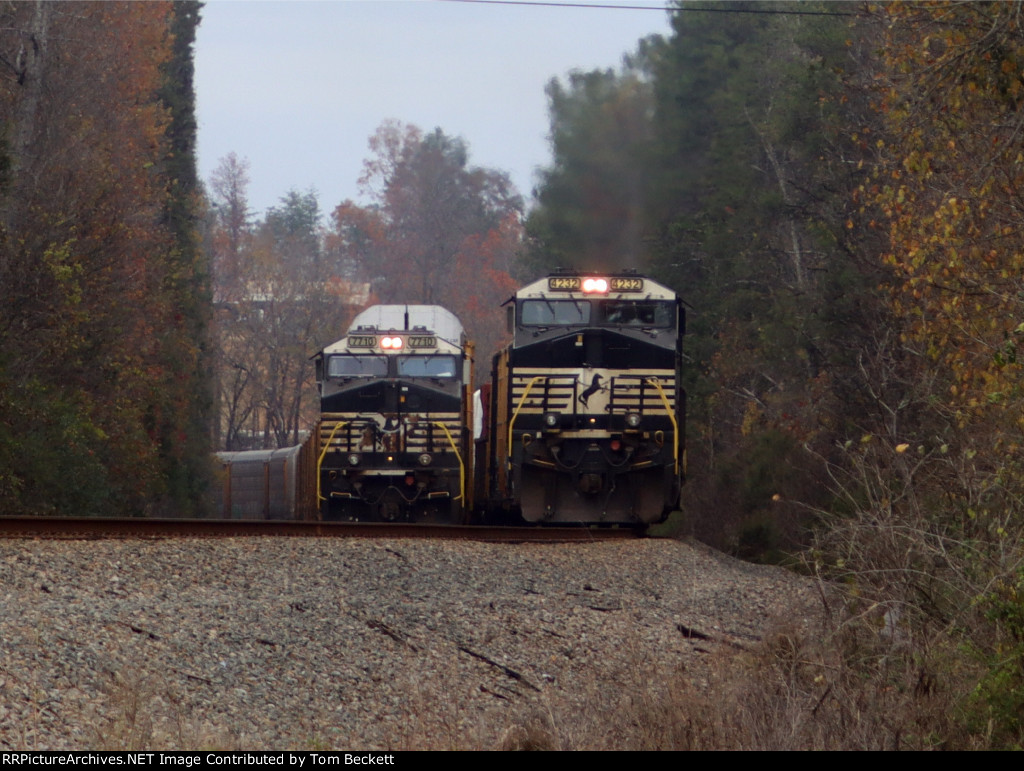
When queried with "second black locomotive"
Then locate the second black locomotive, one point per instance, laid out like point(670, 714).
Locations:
point(585, 405)
point(394, 415)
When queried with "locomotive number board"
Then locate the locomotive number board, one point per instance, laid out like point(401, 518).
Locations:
point(414, 341)
point(575, 284)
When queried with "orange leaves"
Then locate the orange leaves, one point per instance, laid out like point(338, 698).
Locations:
point(90, 287)
point(438, 231)
point(958, 282)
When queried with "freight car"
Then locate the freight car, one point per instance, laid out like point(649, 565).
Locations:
point(585, 410)
point(266, 484)
point(394, 433)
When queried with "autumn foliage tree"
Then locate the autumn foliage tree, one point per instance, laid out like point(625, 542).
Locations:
point(950, 186)
point(437, 230)
point(102, 308)
point(946, 466)
point(229, 230)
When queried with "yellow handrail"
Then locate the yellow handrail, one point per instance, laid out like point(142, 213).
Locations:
point(323, 454)
point(515, 414)
point(671, 416)
point(462, 467)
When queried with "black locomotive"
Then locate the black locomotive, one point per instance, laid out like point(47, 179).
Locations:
point(585, 410)
point(393, 434)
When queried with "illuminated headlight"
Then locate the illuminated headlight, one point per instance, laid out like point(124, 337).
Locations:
point(595, 285)
point(425, 459)
point(353, 459)
point(552, 419)
point(391, 343)
point(633, 419)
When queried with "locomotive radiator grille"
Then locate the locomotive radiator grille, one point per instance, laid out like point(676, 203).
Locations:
point(559, 392)
point(352, 432)
point(554, 393)
point(635, 393)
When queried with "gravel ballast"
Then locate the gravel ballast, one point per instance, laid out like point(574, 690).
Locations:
point(317, 644)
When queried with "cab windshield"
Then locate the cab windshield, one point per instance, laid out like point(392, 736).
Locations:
point(357, 366)
point(554, 313)
point(599, 312)
point(636, 313)
point(427, 366)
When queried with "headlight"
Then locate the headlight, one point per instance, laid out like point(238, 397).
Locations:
point(633, 419)
point(425, 459)
point(552, 419)
point(353, 459)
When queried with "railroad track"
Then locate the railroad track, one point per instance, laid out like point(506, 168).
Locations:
point(103, 528)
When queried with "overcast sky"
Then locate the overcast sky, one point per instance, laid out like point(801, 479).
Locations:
point(297, 88)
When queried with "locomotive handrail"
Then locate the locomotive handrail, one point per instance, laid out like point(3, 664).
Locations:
point(675, 424)
point(458, 455)
point(323, 454)
point(515, 414)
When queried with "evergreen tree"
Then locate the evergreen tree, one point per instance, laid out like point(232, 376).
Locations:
point(591, 204)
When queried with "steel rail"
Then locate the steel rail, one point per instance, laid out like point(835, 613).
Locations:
point(81, 528)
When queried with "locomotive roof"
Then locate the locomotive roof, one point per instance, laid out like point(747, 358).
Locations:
point(391, 318)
